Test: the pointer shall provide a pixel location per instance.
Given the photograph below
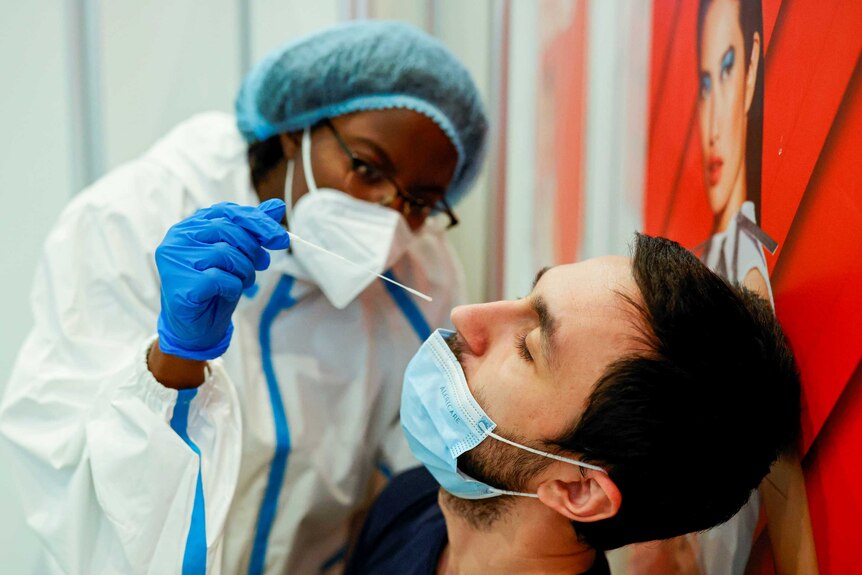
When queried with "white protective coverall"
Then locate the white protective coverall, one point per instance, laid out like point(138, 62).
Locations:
point(290, 423)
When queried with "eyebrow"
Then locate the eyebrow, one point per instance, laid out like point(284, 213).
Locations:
point(539, 275)
point(388, 165)
point(376, 148)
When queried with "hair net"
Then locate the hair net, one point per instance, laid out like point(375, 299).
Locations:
point(365, 66)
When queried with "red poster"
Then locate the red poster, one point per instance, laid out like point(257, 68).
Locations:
point(754, 163)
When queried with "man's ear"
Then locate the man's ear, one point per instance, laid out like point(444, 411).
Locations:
point(592, 496)
point(751, 71)
point(289, 144)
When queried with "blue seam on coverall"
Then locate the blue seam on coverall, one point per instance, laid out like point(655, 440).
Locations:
point(384, 470)
point(280, 300)
point(408, 307)
point(195, 555)
point(420, 325)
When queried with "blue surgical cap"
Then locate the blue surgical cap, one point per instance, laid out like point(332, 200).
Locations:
point(367, 65)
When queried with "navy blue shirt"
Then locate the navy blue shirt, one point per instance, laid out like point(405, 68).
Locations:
point(405, 531)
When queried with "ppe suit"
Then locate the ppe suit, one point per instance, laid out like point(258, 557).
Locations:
point(260, 468)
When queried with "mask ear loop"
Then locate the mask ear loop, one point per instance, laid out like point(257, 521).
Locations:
point(306, 161)
point(543, 454)
point(288, 188)
point(548, 455)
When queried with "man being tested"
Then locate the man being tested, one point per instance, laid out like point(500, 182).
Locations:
point(607, 407)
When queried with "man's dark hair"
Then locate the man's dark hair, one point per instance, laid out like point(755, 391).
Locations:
point(689, 427)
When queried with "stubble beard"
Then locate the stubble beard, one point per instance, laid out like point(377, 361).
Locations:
point(493, 463)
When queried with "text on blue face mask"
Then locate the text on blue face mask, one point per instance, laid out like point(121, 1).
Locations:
point(448, 401)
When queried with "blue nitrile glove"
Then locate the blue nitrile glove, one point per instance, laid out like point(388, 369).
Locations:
point(205, 262)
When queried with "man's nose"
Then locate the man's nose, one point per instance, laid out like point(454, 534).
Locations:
point(479, 323)
point(469, 321)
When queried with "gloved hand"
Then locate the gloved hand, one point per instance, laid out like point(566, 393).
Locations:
point(205, 262)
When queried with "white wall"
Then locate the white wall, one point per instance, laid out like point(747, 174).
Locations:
point(521, 148)
point(35, 176)
point(160, 63)
point(274, 22)
point(467, 28)
point(617, 93)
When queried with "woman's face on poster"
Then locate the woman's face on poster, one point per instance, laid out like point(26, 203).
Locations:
point(727, 80)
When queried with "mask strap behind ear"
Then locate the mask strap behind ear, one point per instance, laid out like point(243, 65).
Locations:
point(517, 493)
point(543, 454)
point(546, 454)
point(288, 188)
point(306, 161)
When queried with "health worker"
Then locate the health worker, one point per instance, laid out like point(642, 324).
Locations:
point(199, 393)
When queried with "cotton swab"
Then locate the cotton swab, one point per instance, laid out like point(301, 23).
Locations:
point(294, 237)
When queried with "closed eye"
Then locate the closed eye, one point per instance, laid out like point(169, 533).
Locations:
point(521, 345)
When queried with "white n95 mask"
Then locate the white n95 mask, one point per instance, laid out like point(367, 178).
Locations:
point(372, 236)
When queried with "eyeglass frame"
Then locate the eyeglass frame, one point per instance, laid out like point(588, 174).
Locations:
point(408, 198)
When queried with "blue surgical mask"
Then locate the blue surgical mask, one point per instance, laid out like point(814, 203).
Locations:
point(442, 420)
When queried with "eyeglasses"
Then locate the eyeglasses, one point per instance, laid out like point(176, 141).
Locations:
point(371, 176)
